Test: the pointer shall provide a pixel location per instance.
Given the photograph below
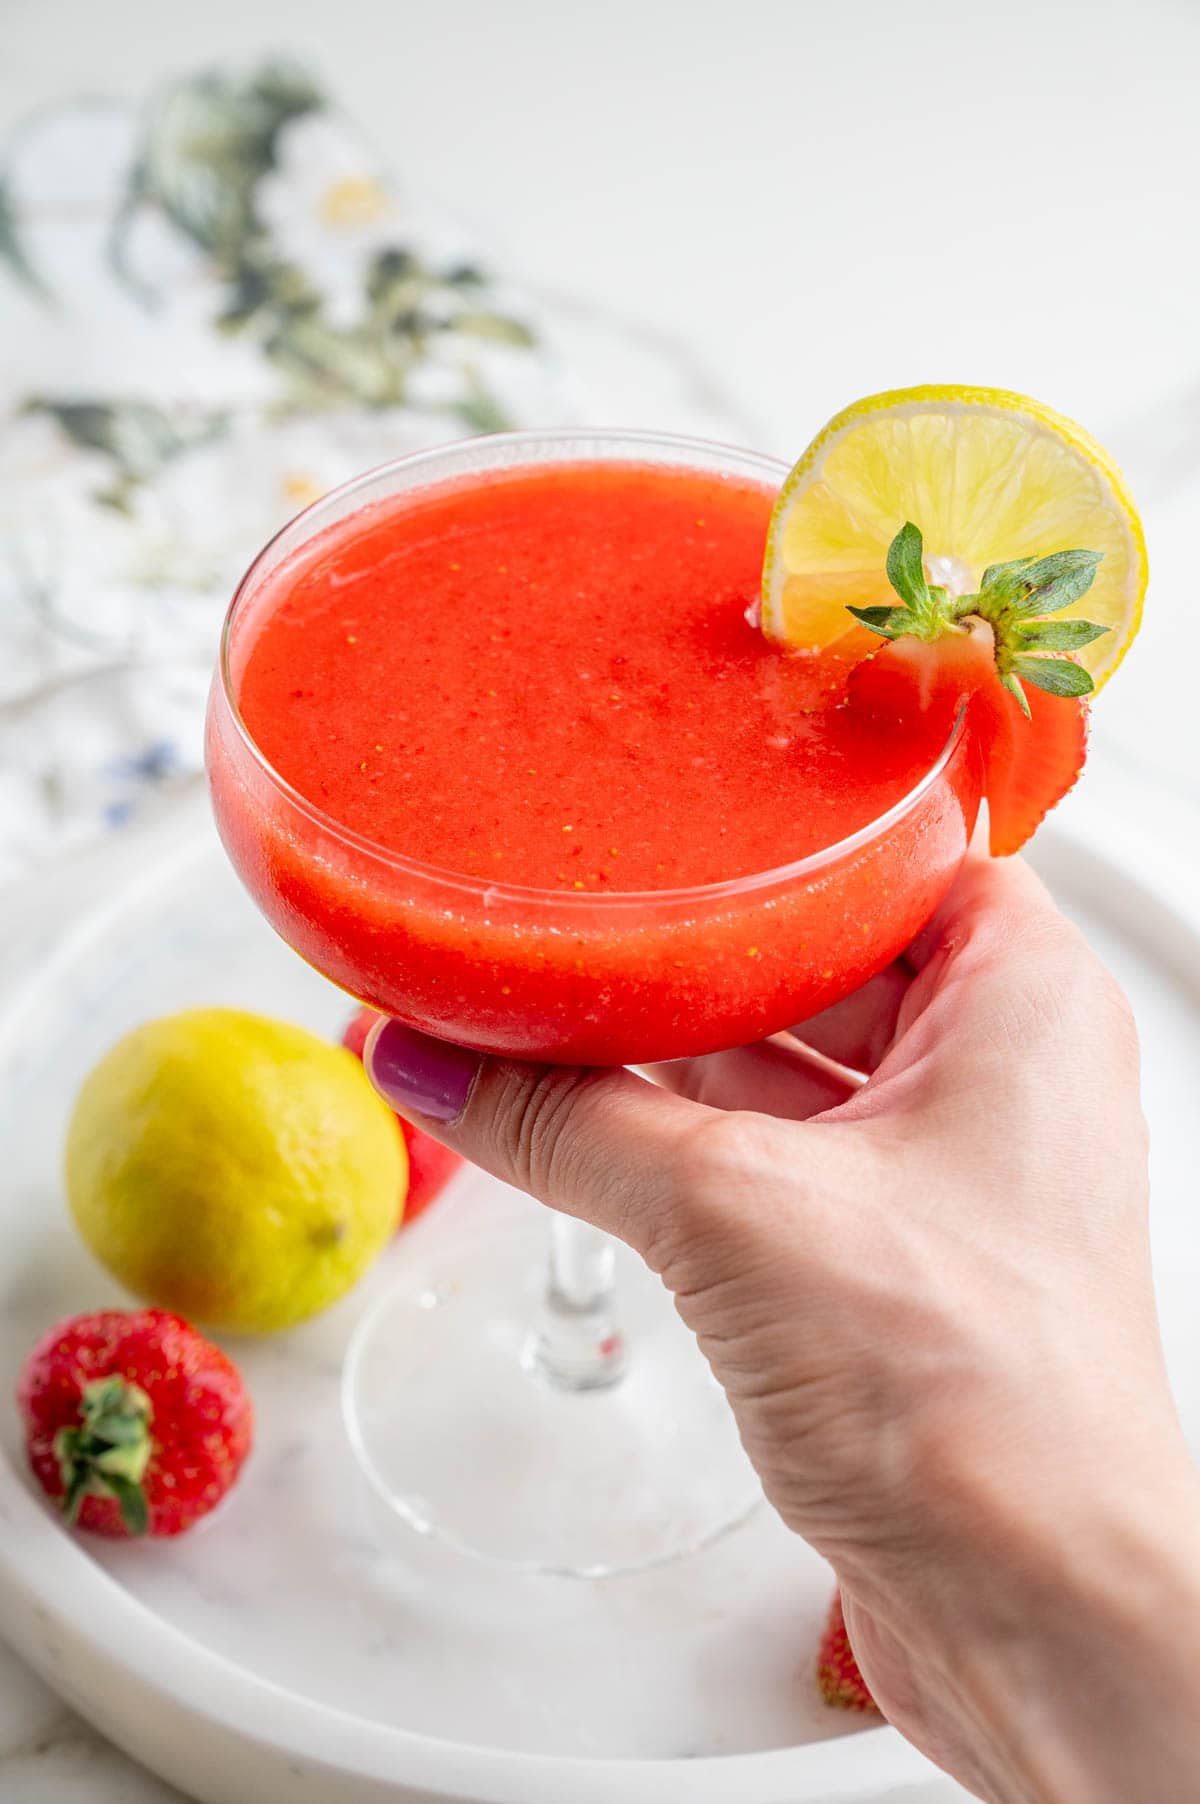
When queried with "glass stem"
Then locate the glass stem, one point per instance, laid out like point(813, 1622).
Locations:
point(575, 1342)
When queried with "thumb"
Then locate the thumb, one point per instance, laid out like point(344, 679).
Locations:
point(604, 1145)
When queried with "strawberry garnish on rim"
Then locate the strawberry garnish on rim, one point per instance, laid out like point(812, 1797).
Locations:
point(1000, 653)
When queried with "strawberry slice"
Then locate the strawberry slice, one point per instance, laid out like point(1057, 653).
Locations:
point(838, 1678)
point(997, 653)
point(430, 1164)
point(1030, 761)
point(1029, 764)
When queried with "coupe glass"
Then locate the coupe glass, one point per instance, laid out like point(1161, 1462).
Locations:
point(530, 1410)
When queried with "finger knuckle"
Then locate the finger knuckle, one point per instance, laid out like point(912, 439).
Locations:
point(1121, 1021)
point(725, 1154)
point(533, 1124)
point(1047, 983)
point(1086, 996)
point(724, 1172)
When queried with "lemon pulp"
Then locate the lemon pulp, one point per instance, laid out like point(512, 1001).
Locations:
point(987, 475)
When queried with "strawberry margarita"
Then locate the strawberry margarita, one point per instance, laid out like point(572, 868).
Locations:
point(499, 745)
point(502, 752)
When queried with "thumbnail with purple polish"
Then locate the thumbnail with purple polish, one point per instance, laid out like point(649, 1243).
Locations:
point(419, 1075)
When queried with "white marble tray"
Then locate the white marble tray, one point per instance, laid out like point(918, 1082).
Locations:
point(284, 1650)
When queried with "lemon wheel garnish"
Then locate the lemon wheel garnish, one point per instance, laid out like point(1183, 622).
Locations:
point(990, 476)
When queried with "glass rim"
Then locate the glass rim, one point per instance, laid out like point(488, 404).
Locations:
point(490, 892)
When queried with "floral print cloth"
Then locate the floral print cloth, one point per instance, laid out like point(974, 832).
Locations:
point(214, 309)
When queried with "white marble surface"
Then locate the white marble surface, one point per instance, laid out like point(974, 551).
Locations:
point(731, 1671)
point(813, 202)
point(49, 1755)
point(169, 1647)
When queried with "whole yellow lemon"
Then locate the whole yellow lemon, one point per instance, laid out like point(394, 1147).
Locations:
point(235, 1169)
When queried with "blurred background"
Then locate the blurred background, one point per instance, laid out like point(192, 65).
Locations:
point(246, 250)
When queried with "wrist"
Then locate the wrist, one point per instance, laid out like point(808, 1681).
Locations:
point(1076, 1642)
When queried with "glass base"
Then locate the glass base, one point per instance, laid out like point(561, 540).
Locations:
point(465, 1435)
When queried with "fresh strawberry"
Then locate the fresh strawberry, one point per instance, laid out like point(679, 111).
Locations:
point(430, 1168)
point(997, 653)
point(1030, 761)
point(357, 1028)
point(838, 1677)
point(430, 1164)
point(134, 1421)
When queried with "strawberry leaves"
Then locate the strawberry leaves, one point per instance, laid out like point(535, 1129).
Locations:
point(925, 610)
point(1055, 675)
point(906, 572)
point(108, 1453)
point(1036, 586)
point(1015, 599)
point(1059, 635)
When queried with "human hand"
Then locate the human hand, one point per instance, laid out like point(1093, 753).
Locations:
point(928, 1298)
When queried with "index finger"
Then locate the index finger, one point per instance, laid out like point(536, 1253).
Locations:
point(857, 1031)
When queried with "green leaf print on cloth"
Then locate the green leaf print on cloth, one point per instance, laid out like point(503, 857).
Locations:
point(222, 305)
